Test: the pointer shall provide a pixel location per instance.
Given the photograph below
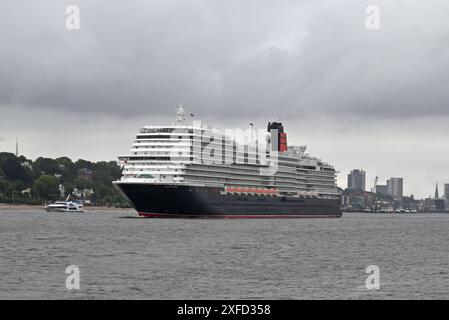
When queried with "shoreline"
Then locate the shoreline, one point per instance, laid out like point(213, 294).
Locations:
point(29, 206)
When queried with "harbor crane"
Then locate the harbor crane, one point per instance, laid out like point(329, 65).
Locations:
point(373, 190)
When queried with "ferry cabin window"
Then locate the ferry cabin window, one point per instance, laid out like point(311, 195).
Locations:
point(145, 176)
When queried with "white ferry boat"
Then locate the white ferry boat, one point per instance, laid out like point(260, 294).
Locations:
point(64, 206)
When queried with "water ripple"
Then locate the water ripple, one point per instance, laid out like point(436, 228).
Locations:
point(128, 258)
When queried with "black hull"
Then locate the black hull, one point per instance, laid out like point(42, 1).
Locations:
point(176, 201)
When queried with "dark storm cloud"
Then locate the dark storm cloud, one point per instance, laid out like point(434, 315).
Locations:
point(227, 58)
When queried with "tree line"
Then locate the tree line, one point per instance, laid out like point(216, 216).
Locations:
point(24, 181)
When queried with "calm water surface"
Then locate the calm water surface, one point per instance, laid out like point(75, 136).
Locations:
point(120, 256)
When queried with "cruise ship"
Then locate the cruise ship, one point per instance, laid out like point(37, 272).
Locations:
point(190, 170)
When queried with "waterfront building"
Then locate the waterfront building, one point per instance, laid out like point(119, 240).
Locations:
point(382, 189)
point(356, 180)
point(395, 187)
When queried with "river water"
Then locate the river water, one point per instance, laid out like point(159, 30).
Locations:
point(124, 257)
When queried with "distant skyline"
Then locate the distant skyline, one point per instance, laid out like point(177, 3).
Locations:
point(375, 100)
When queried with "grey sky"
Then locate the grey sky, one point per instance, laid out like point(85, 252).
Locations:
point(376, 100)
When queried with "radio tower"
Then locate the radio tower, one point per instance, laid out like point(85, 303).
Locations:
point(17, 147)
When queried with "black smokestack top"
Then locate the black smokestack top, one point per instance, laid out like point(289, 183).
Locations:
point(275, 126)
point(281, 135)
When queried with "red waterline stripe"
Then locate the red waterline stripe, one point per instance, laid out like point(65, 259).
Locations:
point(170, 215)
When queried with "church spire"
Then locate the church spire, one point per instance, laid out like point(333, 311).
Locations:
point(437, 195)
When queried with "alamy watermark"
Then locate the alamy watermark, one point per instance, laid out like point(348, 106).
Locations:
point(372, 282)
point(372, 21)
point(211, 146)
point(72, 20)
point(72, 282)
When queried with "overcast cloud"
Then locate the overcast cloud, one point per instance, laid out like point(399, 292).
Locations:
point(346, 91)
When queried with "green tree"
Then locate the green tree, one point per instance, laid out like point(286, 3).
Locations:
point(4, 186)
point(46, 166)
point(46, 187)
point(13, 170)
point(68, 187)
point(80, 164)
point(66, 168)
point(80, 183)
point(17, 186)
point(101, 191)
